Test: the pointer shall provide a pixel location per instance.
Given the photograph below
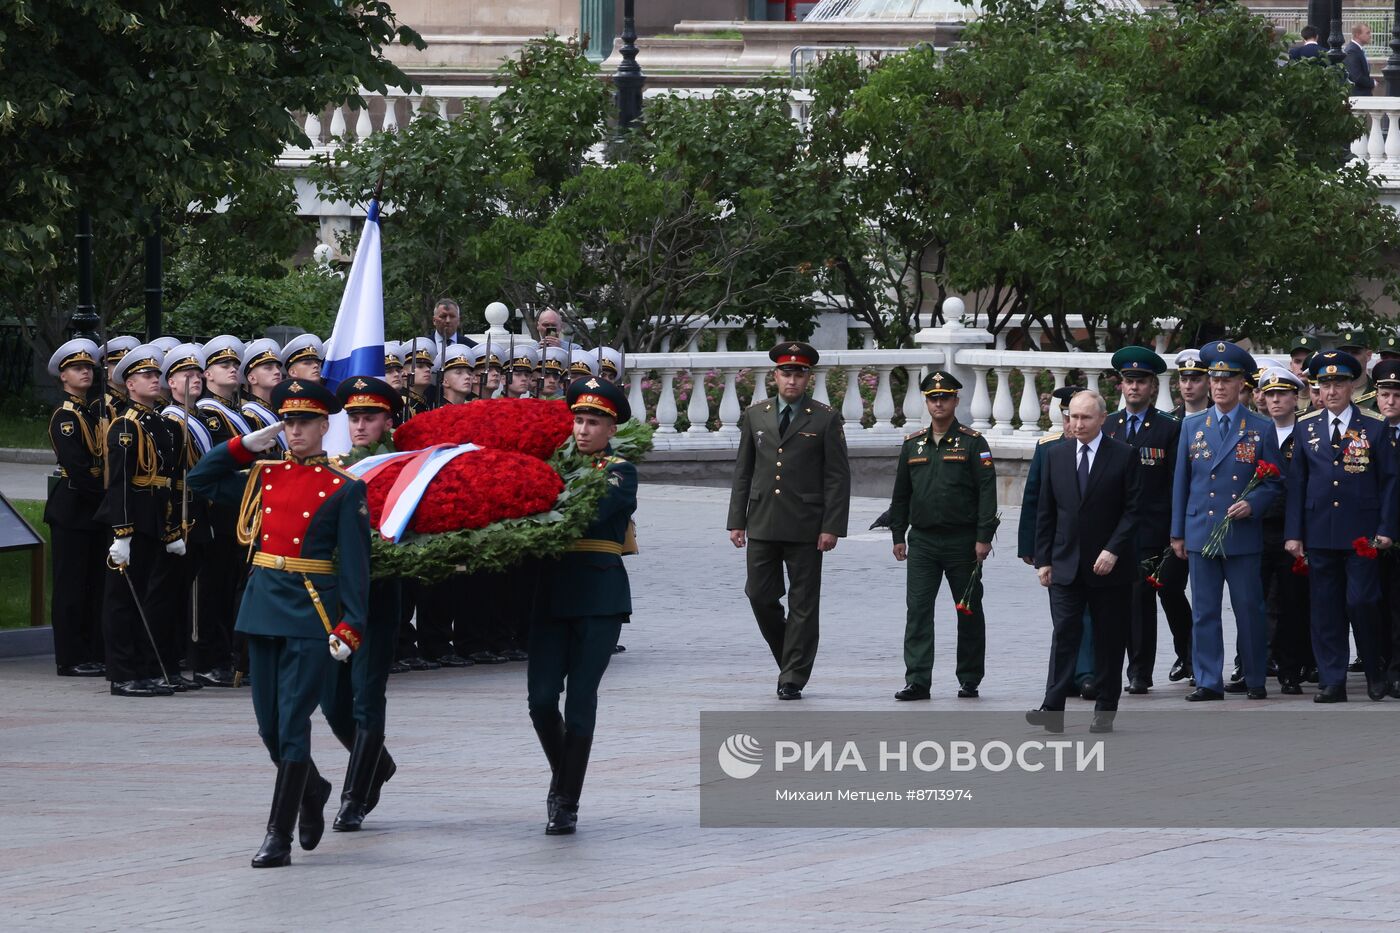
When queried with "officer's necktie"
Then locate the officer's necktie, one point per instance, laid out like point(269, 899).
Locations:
point(785, 420)
point(1395, 433)
point(1132, 426)
point(1083, 468)
point(1224, 425)
point(1336, 432)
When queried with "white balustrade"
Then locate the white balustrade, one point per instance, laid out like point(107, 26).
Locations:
point(390, 123)
point(338, 123)
point(698, 411)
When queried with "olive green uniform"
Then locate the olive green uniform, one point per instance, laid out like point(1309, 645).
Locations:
point(945, 499)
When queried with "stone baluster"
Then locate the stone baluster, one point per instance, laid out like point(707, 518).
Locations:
point(442, 109)
point(1392, 138)
point(981, 400)
point(819, 391)
point(868, 340)
point(635, 399)
point(415, 107)
point(698, 410)
point(729, 410)
point(390, 123)
point(666, 412)
point(914, 409)
point(1164, 391)
point(1057, 421)
point(722, 340)
point(751, 340)
point(852, 406)
point(337, 123)
point(313, 128)
point(1030, 403)
point(884, 400)
point(1359, 144)
point(760, 385)
point(1002, 408)
point(362, 125)
point(1091, 380)
point(1375, 142)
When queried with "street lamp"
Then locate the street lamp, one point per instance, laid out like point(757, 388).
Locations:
point(1335, 55)
point(84, 322)
point(628, 80)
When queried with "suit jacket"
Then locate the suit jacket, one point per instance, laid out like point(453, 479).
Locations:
point(1358, 70)
point(1154, 448)
point(792, 487)
point(1308, 51)
point(1071, 530)
point(1030, 497)
point(1211, 473)
point(1336, 495)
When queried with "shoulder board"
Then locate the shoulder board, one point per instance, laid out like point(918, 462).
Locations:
point(1365, 397)
point(334, 464)
point(1050, 437)
point(69, 406)
point(968, 431)
point(613, 458)
point(1166, 414)
point(820, 406)
point(913, 434)
point(1312, 414)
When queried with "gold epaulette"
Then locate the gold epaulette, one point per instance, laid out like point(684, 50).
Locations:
point(1312, 414)
point(1365, 397)
point(968, 431)
point(913, 434)
point(1050, 437)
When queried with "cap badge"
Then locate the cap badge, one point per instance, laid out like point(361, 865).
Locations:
point(1220, 348)
point(295, 386)
point(591, 384)
point(360, 384)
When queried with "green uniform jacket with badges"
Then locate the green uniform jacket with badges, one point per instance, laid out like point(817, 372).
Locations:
point(796, 486)
point(590, 580)
point(302, 510)
point(944, 486)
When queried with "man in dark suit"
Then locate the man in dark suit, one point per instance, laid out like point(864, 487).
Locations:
point(1152, 434)
point(1309, 50)
point(447, 317)
point(789, 503)
point(1357, 67)
point(1086, 554)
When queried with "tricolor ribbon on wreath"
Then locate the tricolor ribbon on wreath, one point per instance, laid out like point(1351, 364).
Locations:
point(411, 484)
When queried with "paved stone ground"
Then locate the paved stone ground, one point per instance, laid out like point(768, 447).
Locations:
point(144, 813)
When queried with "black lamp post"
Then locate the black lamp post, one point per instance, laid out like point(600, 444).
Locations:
point(1335, 55)
point(84, 322)
point(1391, 71)
point(154, 290)
point(629, 80)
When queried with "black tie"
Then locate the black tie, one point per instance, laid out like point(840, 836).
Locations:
point(1336, 432)
point(1083, 469)
point(1132, 426)
point(784, 421)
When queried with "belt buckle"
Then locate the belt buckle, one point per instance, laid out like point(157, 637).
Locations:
point(279, 562)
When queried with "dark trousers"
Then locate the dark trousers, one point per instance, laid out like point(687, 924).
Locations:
point(442, 617)
point(932, 556)
point(1105, 605)
point(1344, 586)
point(1173, 576)
point(75, 607)
point(791, 636)
point(1288, 600)
point(1389, 639)
point(1142, 631)
point(221, 573)
point(354, 694)
point(289, 675)
point(172, 586)
point(130, 655)
point(525, 583)
point(572, 654)
point(408, 634)
point(487, 614)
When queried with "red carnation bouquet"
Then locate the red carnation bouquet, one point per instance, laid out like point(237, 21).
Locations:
point(1300, 566)
point(1152, 567)
point(1215, 544)
point(537, 427)
point(1366, 547)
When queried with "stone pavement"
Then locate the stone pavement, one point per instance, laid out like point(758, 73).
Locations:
point(144, 813)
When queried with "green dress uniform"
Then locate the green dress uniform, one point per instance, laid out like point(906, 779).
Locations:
point(309, 522)
point(792, 483)
point(572, 639)
point(945, 501)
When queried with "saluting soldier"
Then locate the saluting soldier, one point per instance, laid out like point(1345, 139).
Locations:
point(309, 521)
point(1153, 435)
point(1342, 486)
point(78, 541)
point(354, 697)
point(945, 501)
point(789, 522)
point(114, 398)
point(1217, 456)
point(142, 457)
point(589, 599)
point(303, 357)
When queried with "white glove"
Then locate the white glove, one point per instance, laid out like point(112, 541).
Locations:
point(120, 552)
point(176, 547)
point(339, 649)
point(262, 438)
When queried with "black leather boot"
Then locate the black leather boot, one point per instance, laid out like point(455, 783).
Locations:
point(312, 823)
point(276, 849)
point(386, 769)
point(565, 819)
point(359, 774)
point(552, 741)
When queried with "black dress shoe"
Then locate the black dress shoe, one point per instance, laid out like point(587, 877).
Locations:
point(1377, 690)
point(789, 692)
point(910, 692)
point(219, 677)
point(1051, 720)
point(398, 667)
point(455, 660)
point(1087, 690)
point(140, 688)
point(515, 654)
point(618, 649)
point(968, 691)
point(418, 664)
point(1180, 671)
point(1237, 674)
point(1271, 670)
point(182, 684)
point(1291, 688)
point(1311, 675)
point(1236, 686)
point(1330, 695)
point(1102, 721)
point(1201, 694)
point(1394, 688)
point(1138, 686)
point(1355, 667)
point(485, 657)
point(1257, 693)
point(86, 669)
